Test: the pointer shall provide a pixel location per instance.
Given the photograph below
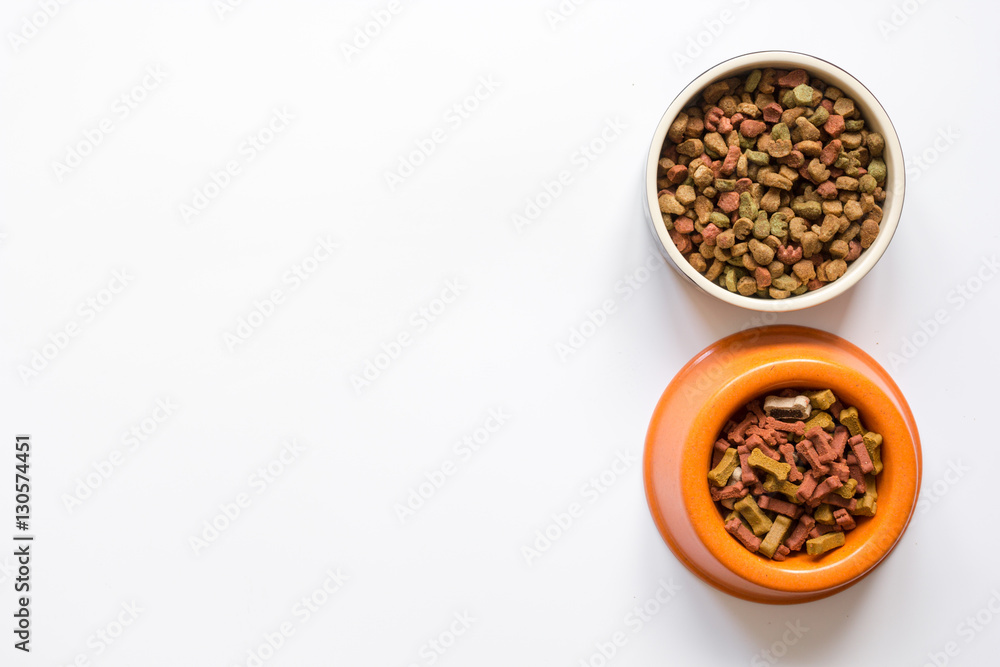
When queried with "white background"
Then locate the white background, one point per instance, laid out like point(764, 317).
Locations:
point(494, 347)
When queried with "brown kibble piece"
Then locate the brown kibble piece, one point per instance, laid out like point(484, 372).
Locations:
point(811, 244)
point(843, 106)
point(869, 230)
point(737, 529)
point(804, 270)
point(835, 269)
point(691, 147)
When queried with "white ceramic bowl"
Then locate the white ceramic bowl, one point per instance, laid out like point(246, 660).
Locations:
point(875, 119)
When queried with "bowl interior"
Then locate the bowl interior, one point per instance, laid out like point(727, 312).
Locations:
point(867, 544)
point(875, 117)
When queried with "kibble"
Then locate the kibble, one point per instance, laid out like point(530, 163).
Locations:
point(775, 155)
point(796, 471)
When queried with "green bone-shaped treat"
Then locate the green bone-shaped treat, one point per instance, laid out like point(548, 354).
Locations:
point(721, 473)
point(824, 543)
point(759, 523)
point(773, 485)
point(779, 531)
point(873, 443)
point(759, 459)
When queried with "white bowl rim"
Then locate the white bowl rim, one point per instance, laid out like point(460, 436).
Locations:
point(875, 116)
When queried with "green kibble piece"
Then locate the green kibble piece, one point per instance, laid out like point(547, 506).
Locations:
point(824, 515)
point(721, 473)
point(849, 418)
point(873, 443)
point(867, 184)
point(788, 99)
point(785, 282)
point(761, 227)
point(720, 220)
point(759, 459)
point(871, 486)
point(810, 210)
point(854, 125)
point(847, 490)
point(759, 523)
point(819, 116)
point(803, 94)
point(730, 279)
point(822, 419)
point(867, 505)
point(823, 543)
point(746, 143)
point(801, 289)
point(752, 80)
point(779, 226)
point(748, 207)
point(877, 169)
point(822, 400)
point(780, 132)
point(725, 184)
point(779, 531)
point(758, 157)
point(773, 485)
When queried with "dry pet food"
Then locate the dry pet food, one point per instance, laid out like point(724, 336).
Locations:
point(770, 184)
point(795, 474)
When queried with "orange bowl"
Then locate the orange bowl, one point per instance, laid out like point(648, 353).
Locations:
point(689, 417)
